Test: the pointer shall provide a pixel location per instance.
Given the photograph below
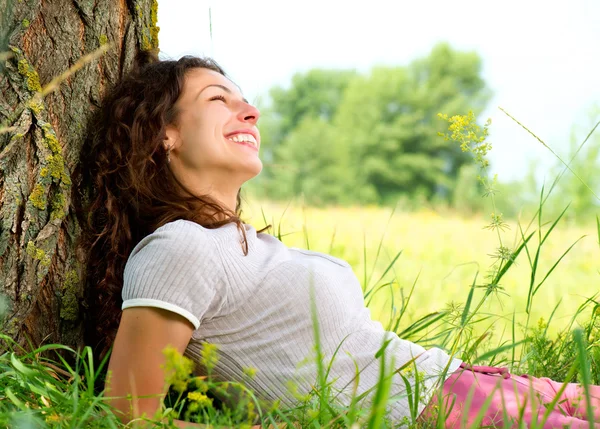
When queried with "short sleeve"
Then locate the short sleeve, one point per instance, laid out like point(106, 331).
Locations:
point(176, 268)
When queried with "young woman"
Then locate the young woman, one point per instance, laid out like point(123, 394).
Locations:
point(172, 263)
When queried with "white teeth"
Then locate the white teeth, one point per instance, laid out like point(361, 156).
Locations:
point(249, 138)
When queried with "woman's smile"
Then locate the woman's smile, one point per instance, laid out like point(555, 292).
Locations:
point(244, 138)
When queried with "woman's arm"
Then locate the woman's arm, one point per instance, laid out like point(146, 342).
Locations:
point(137, 358)
point(135, 366)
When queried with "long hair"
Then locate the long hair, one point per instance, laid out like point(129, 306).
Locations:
point(131, 191)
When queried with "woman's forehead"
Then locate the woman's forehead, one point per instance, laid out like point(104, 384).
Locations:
point(198, 79)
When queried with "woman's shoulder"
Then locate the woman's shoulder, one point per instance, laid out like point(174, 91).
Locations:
point(180, 226)
point(180, 230)
point(190, 229)
point(179, 236)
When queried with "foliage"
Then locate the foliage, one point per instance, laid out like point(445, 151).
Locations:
point(306, 161)
point(315, 94)
point(380, 128)
point(313, 98)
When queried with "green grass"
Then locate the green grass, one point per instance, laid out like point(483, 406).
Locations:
point(423, 276)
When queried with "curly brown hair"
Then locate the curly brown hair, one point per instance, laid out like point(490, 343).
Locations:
point(130, 189)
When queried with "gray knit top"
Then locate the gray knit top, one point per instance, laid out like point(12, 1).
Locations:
point(257, 309)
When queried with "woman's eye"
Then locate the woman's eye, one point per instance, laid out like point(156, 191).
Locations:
point(217, 97)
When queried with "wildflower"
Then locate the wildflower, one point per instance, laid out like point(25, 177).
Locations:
point(53, 418)
point(469, 135)
point(503, 253)
point(209, 355)
point(454, 310)
point(497, 222)
point(200, 399)
point(250, 372)
point(194, 407)
point(407, 371)
point(541, 323)
point(178, 369)
point(251, 411)
point(293, 389)
point(272, 406)
point(493, 287)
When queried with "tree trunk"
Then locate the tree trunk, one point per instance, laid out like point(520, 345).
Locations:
point(40, 274)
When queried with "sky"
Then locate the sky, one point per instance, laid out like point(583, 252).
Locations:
point(541, 58)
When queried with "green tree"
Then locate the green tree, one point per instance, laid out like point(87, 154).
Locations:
point(388, 122)
point(381, 131)
point(311, 156)
point(316, 95)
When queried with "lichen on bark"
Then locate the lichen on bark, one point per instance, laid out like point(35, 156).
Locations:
point(69, 301)
point(38, 254)
point(31, 76)
point(149, 39)
point(38, 197)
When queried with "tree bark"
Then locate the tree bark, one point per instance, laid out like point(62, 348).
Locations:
point(41, 275)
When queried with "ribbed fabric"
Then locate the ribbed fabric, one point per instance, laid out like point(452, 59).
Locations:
point(257, 309)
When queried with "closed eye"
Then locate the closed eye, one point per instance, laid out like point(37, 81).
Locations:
point(217, 97)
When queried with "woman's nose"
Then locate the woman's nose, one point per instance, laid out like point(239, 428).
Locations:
point(249, 113)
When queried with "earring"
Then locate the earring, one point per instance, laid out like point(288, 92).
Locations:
point(169, 155)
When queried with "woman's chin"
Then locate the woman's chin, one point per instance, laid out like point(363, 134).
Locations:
point(251, 169)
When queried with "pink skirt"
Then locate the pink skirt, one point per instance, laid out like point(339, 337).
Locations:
point(505, 400)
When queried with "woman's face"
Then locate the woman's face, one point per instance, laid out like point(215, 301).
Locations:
point(215, 138)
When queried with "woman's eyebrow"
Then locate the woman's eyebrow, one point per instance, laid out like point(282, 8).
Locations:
point(223, 87)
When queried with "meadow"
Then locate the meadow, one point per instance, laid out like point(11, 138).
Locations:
point(417, 270)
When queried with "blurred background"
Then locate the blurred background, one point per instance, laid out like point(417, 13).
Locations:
point(353, 164)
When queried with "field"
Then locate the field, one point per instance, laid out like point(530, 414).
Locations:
point(443, 253)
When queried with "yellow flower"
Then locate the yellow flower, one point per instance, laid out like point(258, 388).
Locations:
point(178, 369)
point(209, 355)
point(200, 398)
point(466, 132)
point(250, 372)
point(251, 411)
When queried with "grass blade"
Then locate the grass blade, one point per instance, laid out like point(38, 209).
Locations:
point(422, 324)
point(554, 223)
point(584, 368)
point(465, 313)
point(598, 228)
point(496, 351)
point(387, 270)
point(555, 264)
point(510, 262)
point(553, 153)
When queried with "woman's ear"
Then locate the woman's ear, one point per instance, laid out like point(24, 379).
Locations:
point(171, 137)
